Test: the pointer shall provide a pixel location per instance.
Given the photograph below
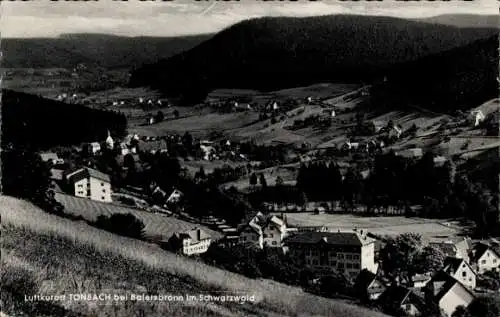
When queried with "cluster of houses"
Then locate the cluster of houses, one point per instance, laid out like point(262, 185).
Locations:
point(355, 252)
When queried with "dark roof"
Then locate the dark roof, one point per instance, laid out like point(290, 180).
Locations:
point(478, 250)
point(442, 283)
point(193, 235)
point(394, 294)
point(451, 264)
point(364, 279)
point(333, 238)
point(86, 172)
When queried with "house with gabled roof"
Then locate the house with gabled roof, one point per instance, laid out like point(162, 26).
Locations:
point(88, 183)
point(51, 157)
point(368, 285)
point(461, 271)
point(343, 252)
point(195, 241)
point(485, 258)
point(398, 299)
point(264, 231)
point(447, 293)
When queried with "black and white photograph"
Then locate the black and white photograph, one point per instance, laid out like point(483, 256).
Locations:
point(250, 158)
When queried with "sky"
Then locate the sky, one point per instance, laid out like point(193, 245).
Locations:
point(44, 18)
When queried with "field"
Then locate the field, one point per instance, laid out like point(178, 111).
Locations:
point(431, 230)
point(157, 225)
point(47, 255)
point(287, 172)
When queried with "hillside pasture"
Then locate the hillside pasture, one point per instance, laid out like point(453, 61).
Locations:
point(199, 124)
point(156, 225)
point(53, 256)
point(429, 229)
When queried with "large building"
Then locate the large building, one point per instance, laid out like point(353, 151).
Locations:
point(264, 231)
point(89, 183)
point(343, 252)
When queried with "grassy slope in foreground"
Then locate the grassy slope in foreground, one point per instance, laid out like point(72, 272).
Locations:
point(62, 256)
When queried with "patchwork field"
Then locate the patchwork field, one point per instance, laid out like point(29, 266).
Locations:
point(48, 255)
point(431, 230)
point(157, 225)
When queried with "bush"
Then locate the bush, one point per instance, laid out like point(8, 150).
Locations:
point(122, 224)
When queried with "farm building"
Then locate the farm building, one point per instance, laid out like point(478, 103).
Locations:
point(175, 196)
point(89, 183)
point(403, 298)
point(461, 271)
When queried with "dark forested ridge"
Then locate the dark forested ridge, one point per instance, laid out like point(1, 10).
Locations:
point(465, 20)
point(30, 121)
point(272, 53)
point(461, 78)
point(106, 51)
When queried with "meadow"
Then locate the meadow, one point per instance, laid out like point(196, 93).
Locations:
point(45, 254)
point(430, 229)
point(157, 226)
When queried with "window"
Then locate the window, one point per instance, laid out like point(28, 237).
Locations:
point(341, 265)
point(355, 265)
point(349, 265)
point(315, 262)
point(348, 257)
point(483, 262)
point(102, 197)
point(464, 274)
point(340, 256)
point(102, 184)
point(103, 190)
point(494, 260)
point(274, 243)
point(355, 257)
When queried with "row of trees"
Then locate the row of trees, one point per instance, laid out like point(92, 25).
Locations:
point(396, 182)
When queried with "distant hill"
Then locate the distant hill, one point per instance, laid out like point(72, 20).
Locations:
point(460, 78)
point(274, 53)
point(106, 51)
point(465, 20)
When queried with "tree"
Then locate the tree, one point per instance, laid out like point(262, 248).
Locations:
point(253, 180)
point(122, 224)
point(176, 113)
point(484, 307)
point(262, 181)
point(431, 259)
point(159, 116)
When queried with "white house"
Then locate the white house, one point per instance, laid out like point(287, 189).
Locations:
point(461, 271)
point(476, 117)
point(92, 148)
point(175, 196)
point(89, 183)
point(191, 242)
point(110, 143)
point(51, 157)
point(448, 293)
point(485, 258)
point(264, 231)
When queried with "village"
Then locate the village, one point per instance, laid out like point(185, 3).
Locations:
point(83, 184)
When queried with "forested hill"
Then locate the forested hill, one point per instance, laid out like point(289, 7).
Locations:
point(461, 78)
point(30, 121)
point(273, 53)
point(108, 51)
